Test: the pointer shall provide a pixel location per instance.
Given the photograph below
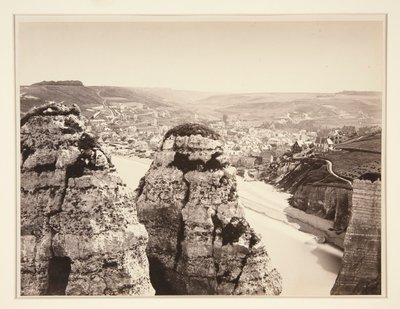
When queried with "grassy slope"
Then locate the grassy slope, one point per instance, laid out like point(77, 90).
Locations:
point(353, 164)
point(371, 142)
point(84, 97)
point(131, 94)
point(358, 157)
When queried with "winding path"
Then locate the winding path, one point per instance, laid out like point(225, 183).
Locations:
point(105, 105)
point(330, 170)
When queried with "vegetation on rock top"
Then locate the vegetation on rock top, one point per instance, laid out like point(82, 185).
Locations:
point(188, 129)
point(51, 109)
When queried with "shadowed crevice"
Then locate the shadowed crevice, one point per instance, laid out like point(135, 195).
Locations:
point(180, 238)
point(25, 153)
point(59, 271)
point(160, 278)
point(233, 230)
point(140, 188)
point(49, 167)
point(184, 164)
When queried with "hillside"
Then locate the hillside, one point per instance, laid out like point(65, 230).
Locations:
point(125, 95)
point(88, 98)
point(36, 95)
point(288, 109)
point(333, 109)
point(368, 143)
point(357, 158)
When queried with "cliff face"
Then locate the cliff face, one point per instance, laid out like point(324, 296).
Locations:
point(315, 190)
point(328, 202)
point(79, 229)
point(361, 266)
point(200, 242)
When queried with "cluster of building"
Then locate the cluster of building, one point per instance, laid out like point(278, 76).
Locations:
point(133, 129)
point(130, 128)
point(253, 149)
point(251, 144)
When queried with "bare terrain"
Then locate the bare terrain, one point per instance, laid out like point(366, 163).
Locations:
point(324, 109)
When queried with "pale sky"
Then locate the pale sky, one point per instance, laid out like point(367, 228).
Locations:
point(271, 56)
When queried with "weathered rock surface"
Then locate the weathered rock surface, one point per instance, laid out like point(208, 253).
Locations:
point(79, 229)
point(199, 240)
point(361, 266)
point(316, 192)
point(326, 201)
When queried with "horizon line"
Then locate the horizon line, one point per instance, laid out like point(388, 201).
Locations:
point(204, 91)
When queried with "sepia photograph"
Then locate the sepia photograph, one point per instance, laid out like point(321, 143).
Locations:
point(213, 155)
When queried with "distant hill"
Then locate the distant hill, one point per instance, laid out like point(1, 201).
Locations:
point(86, 97)
point(124, 94)
point(357, 108)
point(59, 83)
point(336, 109)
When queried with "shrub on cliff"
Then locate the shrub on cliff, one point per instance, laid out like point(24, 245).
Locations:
point(188, 129)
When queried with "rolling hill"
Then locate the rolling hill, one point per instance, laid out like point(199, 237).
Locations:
point(326, 109)
point(90, 98)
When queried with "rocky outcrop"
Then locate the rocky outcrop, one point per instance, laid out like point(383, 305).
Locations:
point(79, 229)
point(325, 201)
point(361, 266)
point(315, 191)
point(199, 240)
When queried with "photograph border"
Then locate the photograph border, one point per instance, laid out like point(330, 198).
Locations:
point(206, 18)
point(388, 134)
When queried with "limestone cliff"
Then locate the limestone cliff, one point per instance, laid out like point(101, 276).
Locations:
point(316, 191)
point(326, 201)
point(361, 266)
point(79, 229)
point(199, 240)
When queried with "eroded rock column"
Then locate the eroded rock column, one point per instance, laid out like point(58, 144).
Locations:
point(79, 229)
point(200, 242)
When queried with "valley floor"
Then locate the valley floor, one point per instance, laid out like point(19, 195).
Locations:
point(309, 269)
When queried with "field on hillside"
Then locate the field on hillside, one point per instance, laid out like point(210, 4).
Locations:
point(366, 143)
point(357, 157)
point(353, 164)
